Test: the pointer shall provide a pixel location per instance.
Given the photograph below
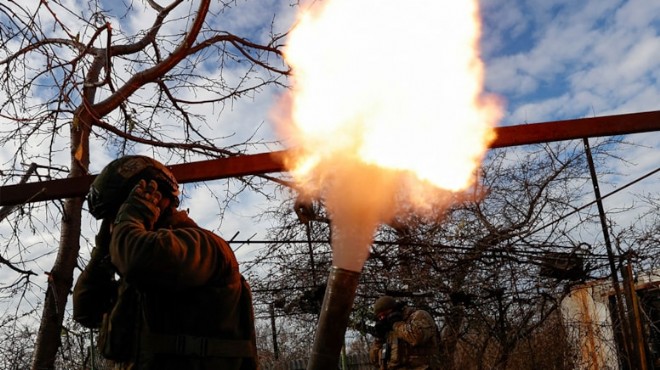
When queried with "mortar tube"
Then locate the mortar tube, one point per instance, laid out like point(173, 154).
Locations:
point(337, 305)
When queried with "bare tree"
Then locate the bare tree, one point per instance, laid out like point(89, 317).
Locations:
point(17, 345)
point(81, 77)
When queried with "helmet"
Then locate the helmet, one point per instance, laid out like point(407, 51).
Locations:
point(111, 187)
point(383, 304)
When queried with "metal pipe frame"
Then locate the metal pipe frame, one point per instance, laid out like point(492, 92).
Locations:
point(263, 163)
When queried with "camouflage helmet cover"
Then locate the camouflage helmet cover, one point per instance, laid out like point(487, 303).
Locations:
point(383, 304)
point(113, 184)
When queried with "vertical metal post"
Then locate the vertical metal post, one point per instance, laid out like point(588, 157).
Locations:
point(625, 330)
point(276, 350)
point(344, 365)
point(92, 348)
point(634, 316)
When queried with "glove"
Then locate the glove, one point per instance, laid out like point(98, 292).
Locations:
point(393, 317)
point(141, 205)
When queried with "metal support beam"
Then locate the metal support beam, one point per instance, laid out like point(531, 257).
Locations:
point(244, 165)
point(534, 133)
point(259, 164)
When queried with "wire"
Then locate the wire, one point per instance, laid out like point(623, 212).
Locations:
point(596, 200)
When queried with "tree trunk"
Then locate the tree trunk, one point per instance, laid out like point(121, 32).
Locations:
point(60, 278)
point(60, 281)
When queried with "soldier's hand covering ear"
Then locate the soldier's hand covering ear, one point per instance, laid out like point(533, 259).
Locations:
point(141, 205)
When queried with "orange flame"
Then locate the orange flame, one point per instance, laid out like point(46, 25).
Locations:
point(386, 110)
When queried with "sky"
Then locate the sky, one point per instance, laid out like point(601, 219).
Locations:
point(556, 60)
point(546, 59)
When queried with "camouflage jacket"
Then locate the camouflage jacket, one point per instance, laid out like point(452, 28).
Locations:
point(411, 343)
point(180, 302)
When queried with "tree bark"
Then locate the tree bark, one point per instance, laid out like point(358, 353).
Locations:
point(60, 280)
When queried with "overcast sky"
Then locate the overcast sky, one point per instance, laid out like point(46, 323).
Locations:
point(547, 59)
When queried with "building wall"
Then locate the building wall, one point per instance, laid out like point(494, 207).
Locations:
point(586, 314)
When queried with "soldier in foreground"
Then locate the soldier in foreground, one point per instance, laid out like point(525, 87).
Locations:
point(406, 338)
point(180, 301)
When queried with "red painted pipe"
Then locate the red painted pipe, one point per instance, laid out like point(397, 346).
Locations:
point(258, 164)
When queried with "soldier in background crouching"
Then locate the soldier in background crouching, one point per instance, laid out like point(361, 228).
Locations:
point(406, 338)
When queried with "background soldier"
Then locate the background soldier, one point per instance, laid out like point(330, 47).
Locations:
point(406, 338)
point(180, 301)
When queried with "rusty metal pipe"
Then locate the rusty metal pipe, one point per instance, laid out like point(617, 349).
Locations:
point(337, 305)
point(212, 169)
point(259, 164)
